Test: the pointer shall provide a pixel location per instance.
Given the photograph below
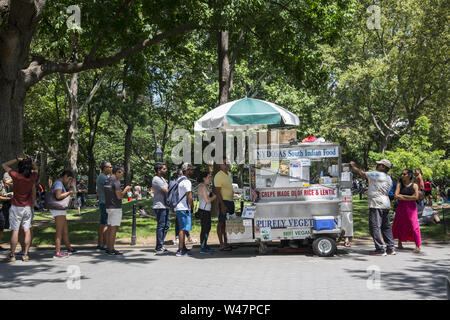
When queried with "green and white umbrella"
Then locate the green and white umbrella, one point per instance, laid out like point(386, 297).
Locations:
point(246, 113)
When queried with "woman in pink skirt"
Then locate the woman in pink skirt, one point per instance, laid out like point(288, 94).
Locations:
point(406, 223)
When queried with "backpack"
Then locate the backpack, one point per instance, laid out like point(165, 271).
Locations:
point(427, 186)
point(172, 195)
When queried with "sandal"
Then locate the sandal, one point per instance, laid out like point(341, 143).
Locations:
point(416, 250)
point(347, 244)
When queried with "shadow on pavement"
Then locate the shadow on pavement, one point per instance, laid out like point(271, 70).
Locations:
point(426, 280)
point(15, 275)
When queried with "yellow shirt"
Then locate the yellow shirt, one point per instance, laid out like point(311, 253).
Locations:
point(224, 182)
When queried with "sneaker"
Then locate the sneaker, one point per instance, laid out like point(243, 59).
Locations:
point(205, 251)
point(72, 251)
point(378, 253)
point(61, 255)
point(113, 252)
point(209, 249)
point(192, 240)
point(162, 251)
point(100, 247)
point(177, 241)
point(179, 253)
point(186, 253)
point(391, 252)
point(25, 258)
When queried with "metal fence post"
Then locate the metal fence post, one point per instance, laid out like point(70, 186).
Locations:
point(133, 227)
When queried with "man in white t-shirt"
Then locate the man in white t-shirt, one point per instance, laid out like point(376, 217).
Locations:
point(185, 207)
point(380, 184)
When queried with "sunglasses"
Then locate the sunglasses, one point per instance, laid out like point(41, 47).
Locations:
point(404, 174)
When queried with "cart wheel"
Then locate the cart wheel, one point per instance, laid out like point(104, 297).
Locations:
point(324, 246)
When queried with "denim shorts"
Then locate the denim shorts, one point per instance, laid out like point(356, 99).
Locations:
point(184, 220)
point(230, 210)
point(103, 214)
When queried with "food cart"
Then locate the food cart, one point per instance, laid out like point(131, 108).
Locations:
point(297, 191)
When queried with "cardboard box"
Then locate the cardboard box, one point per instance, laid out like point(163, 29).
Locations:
point(285, 135)
point(276, 136)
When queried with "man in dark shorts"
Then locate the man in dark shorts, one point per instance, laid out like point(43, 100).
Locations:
point(223, 188)
point(106, 169)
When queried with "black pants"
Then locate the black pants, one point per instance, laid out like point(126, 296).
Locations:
point(380, 229)
point(206, 227)
point(4, 216)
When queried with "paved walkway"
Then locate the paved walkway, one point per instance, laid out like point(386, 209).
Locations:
point(240, 274)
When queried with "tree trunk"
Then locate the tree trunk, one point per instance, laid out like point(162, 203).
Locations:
point(43, 176)
point(72, 148)
point(12, 95)
point(127, 153)
point(224, 67)
point(16, 33)
point(92, 171)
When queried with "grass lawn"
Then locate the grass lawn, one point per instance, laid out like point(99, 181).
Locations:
point(83, 229)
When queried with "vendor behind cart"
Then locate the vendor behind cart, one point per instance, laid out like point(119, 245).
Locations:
point(224, 190)
point(379, 205)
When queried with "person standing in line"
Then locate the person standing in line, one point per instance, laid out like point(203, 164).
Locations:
point(21, 230)
point(106, 169)
point(22, 202)
point(113, 200)
point(172, 182)
point(161, 188)
point(62, 230)
point(379, 206)
point(224, 191)
point(205, 198)
point(185, 207)
point(5, 203)
point(406, 223)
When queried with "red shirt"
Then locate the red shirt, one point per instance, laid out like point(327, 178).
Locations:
point(23, 189)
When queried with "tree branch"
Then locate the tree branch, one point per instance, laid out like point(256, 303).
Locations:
point(93, 92)
point(43, 143)
point(40, 67)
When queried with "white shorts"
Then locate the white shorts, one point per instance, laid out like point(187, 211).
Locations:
point(114, 217)
point(19, 217)
point(56, 213)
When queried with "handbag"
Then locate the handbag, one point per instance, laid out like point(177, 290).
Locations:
point(198, 213)
point(52, 203)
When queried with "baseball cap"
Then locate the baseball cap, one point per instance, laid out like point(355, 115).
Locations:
point(385, 163)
